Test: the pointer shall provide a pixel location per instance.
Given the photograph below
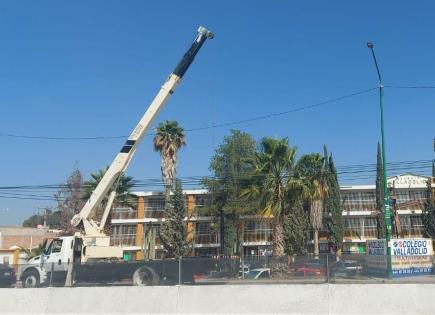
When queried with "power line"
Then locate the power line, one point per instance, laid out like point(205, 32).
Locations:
point(226, 124)
point(345, 173)
point(409, 87)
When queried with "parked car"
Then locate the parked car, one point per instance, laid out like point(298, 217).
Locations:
point(260, 273)
point(246, 269)
point(7, 276)
point(308, 269)
point(346, 268)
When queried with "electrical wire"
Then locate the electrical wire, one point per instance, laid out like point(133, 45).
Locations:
point(225, 124)
point(345, 173)
point(409, 87)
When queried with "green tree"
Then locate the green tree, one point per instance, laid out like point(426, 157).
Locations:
point(310, 168)
point(230, 165)
point(33, 221)
point(380, 221)
point(334, 222)
point(173, 232)
point(69, 200)
point(296, 227)
point(272, 184)
point(429, 207)
point(123, 198)
point(123, 186)
point(168, 140)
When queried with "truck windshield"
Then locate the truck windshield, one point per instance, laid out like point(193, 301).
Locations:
point(54, 246)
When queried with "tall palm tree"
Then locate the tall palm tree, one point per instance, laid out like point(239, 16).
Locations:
point(310, 168)
point(272, 184)
point(168, 140)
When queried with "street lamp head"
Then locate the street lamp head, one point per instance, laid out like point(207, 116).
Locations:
point(370, 45)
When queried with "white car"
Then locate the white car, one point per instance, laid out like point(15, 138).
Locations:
point(260, 273)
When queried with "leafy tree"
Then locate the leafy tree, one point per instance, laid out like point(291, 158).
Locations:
point(231, 165)
point(173, 231)
point(69, 200)
point(296, 226)
point(334, 223)
point(168, 140)
point(34, 251)
point(53, 219)
point(272, 184)
point(310, 168)
point(429, 207)
point(33, 221)
point(380, 195)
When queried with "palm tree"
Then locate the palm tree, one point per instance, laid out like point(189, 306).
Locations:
point(168, 140)
point(273, 184)
point(123, 187)
point(310, 169)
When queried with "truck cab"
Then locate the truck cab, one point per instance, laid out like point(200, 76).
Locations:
point(53, 263)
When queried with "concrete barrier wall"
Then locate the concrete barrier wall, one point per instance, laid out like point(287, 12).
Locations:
point(289, 299)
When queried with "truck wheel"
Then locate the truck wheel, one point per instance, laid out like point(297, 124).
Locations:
point(145, 276)
point(30, 279)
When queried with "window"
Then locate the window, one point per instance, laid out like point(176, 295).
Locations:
point(56, 246)
point(358, 200)
point(411, 225)
point(123, 213)
point(202, 200)
point(257, 231)
point(202, 228)
point(409, 199)
point(352, 227)
point(155, 203)
point(204, 234)
point(370, 227)
point(155, 207)
point(123, 235)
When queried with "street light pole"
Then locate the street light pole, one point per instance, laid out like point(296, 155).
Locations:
point(387, 210)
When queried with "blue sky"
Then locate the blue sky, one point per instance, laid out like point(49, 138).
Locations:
point(90, 68)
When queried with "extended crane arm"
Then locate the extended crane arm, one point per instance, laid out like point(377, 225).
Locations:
point(121, 161)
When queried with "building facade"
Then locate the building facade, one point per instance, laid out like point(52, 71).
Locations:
point(131, 227)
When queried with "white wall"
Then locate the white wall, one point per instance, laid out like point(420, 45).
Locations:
point(290, 299)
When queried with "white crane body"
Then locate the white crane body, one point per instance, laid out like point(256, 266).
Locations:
point(69, 252)
point(94, 238)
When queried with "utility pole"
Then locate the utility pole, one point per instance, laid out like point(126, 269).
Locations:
point(222, 232)
point(387, 207)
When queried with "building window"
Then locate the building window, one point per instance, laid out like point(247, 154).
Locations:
point(411, 226)
point(406, 199)
point(204, 234)
point(257, 231)
point(155, 207)
point(155, 203)
point(358, 200)
point(123, 213)
point(123, 235)
point(370, 227)
point(352, 227)
point(202, 200)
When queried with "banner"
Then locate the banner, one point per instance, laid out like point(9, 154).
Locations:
point(409, 257)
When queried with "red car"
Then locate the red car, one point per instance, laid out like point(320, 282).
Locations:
point(308, 269)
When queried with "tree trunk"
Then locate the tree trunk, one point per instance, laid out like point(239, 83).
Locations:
point(316, 218)
point(278, 238)
point(316, 242)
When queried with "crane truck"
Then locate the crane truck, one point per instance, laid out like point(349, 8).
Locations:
point(82, 256)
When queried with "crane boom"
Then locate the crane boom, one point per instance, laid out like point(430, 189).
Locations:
point(123, 158)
